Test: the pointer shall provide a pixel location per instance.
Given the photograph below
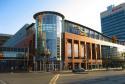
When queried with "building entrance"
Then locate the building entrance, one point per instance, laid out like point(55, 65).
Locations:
point(41, 66)
point(13, 65)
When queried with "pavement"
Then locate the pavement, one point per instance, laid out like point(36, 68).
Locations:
point(25, 78)
point(64, 77)
point(96, 77)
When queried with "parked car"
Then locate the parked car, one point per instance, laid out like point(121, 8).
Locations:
point(78, 70)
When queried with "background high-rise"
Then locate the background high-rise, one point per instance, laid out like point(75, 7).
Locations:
point(113, 21)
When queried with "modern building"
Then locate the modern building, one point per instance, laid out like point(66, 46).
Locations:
point(13, 59)
point(25, 39)
point(4, 38)
point(17, 40)
point(87, 48)
point(113, 21)
point(53, 42)
point(50, 24)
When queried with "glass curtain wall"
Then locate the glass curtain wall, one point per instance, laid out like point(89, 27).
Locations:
point(51, 26)
point(76, 50)
point(13, 61)
point(69, 49)
point(82, 50)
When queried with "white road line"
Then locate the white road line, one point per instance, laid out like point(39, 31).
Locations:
point(54, 79)
point(2, 82)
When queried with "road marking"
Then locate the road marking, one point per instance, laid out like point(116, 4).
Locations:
point(2, 82)
point(54, 79)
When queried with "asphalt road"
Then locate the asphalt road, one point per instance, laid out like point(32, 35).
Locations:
point(101, 77)
point(25, 78)
point(98, 77)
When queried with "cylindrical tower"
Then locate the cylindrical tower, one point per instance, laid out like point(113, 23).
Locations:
point(48, 32)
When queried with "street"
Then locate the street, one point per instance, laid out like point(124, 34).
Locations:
point(100, 77)
point(95, 77)
point(25, 78)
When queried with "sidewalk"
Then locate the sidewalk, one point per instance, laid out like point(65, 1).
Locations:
point(92, 70)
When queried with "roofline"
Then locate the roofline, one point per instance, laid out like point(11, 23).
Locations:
point(48, 12)
point(1, 34)
point(86, 28)
point(30, 26)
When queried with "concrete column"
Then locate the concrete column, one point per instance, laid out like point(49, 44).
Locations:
point(100, 53)
point(60, 67)
point(43, 66)
point(36, 66)
point(66, 55)
point(40, 66)
point(96, 50)
point(91, 54)
point(100, 58)
point(86, 58)
point(79, 50)
point(73, 54)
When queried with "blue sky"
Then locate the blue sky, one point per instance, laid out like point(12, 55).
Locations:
point(15, 13)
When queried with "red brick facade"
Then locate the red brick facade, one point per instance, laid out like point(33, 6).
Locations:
point(91, 46)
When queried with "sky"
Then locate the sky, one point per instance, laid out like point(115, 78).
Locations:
point(16, 13)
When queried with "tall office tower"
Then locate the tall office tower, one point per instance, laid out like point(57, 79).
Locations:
point(113, 21)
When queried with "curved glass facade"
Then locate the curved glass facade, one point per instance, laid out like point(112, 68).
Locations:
point(49, 27)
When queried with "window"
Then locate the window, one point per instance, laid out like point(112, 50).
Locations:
point(96, 35)
point(76, 49)
point(69, 49)
point(82, 50)
point(92, 34)
point(87, 32)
